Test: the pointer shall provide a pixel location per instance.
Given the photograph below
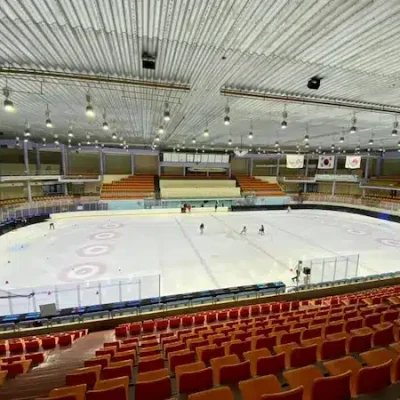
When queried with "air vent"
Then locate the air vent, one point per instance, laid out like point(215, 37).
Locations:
point(148, 61)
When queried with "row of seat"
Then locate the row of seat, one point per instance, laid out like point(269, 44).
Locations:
point(45, 342)
point(241, 340)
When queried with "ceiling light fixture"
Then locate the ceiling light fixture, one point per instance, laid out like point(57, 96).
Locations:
point(105, 123)
point(395, 126)
point(194, 140)
point(284, 117)
point(167, 115)
point(49, 124)
point(227, 120)
point(8, 104)
point(70, 133)
point(230, 142)
point(27, 132)
point(306, 138)
point(353, 128)
point(89, 108)
point(206, 133)
point(371, 142)
point(114, 136)
point(157, 138)
point(160, 130)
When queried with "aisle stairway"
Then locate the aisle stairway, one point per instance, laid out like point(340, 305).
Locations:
point(251, 185)
point(132, 187)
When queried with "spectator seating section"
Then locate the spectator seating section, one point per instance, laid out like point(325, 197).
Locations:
point(198, 188)
point(249, 184)
point(355, 338)
point(18, 356)
point(132, 187)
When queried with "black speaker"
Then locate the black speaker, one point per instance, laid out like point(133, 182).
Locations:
point(314, 83)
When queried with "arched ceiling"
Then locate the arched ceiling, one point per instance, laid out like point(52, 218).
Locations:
point(202, 48)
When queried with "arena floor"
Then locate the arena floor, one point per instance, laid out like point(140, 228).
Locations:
point(85, 250)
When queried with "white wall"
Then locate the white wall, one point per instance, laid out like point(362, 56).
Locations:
point(197, 183)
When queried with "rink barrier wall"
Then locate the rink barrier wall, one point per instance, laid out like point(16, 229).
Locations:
point(132, 213)
point(112, 322)
point(360, 210)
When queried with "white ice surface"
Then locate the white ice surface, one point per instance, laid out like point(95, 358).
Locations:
point(187, 261)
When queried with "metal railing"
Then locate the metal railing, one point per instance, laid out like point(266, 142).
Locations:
point(393, 206)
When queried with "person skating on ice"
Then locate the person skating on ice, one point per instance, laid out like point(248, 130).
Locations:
point(288, 209)
point(261, 230)
point(51, 226)
point(243, 231)
point(201, 228)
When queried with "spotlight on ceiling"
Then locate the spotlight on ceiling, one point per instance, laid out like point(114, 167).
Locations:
point(353, 129)
point(206, 133)
point(114, 136)
point(230, 142)
point(371, 142)
point(160, 130)
point(194, 140)
point(314, 83)
point(157, 138)
point(251, 135)
point(8, 104)
point(341, 140)
point(283, 124)
point(306, 138)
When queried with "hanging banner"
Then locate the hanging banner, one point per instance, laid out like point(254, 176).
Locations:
point(353, 162)
point(326, 162)
point(294, 161)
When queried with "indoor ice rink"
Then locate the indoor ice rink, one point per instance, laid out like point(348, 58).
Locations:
point(168, 252)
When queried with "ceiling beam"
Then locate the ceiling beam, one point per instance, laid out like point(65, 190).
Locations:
point(314, 101)
point(38, 74)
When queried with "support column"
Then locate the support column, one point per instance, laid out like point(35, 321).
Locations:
point(306, 172)
point(66, 189)
point(29, 191)
point(38, 171)
point(366, 171)
point(132, 164)
point(251, 166)
point(184, 171)
point(104, 163)
point(63, 161)
point(334, 172)
point(378, 168)
point(278, 165)
point(101, 161)
point(230, 172)
point(26, 158)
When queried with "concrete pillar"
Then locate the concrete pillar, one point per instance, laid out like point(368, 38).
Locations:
point(306, 172)
point(379, 165)
point(278, 163)
point(66, 189)
point(101, 161)
point(38, 171)
point(230, 172)
point(26, 158)
point(251, 166)
point(132, 164)
point(366, 171)
point(63, 160)
point(334, 172)
point(184, 171)
point(104, 163)
point(29, 191)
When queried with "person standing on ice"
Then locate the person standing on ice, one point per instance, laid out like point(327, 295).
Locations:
point(201, 228)
point(51, 226)
point(261, 230)
point(288, 209)
point(243, 231)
